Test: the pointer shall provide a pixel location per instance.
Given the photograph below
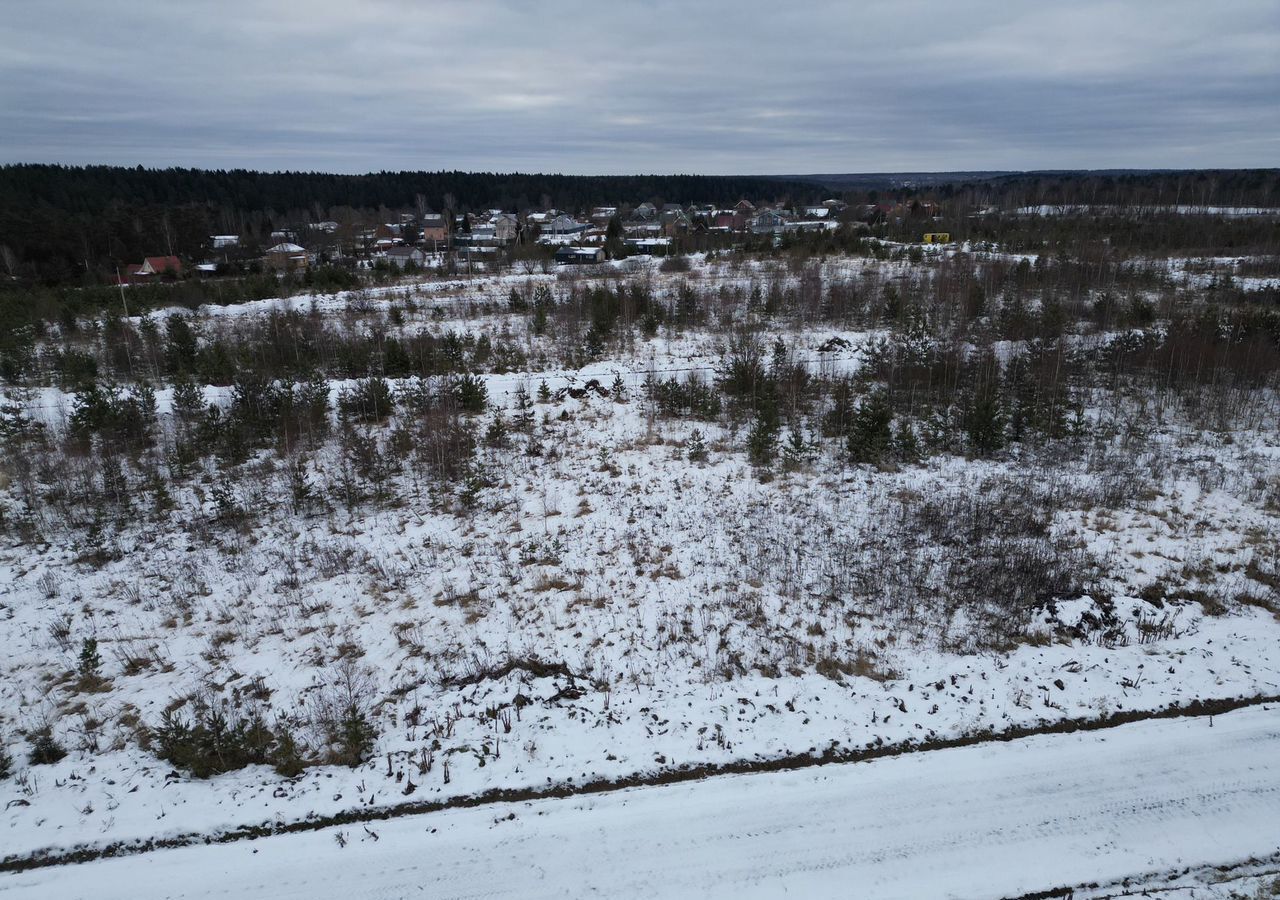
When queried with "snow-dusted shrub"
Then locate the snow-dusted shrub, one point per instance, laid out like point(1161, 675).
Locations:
point(343, 716)
point(45, 749)
point(217, 738)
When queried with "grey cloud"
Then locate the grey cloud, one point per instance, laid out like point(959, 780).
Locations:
point(658, 87)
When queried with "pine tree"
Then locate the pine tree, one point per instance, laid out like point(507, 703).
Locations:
point(45, 749)
point(544, 392)
point(523, 418)
point(287, 755)
point(543, 302)
point(779, 366)
point(870, 432)
point(696, 448)
point(188, 401)
point(613, 235)
point(982, 412)
point(796, 452)
point(496, 435)
point(906, 446)
point(839, 418)
point(300, 486)
point(762, 442)
point(619, 389)
point(90, 661)
point(471, 393)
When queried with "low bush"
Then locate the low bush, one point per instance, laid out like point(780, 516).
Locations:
point(45, 749)
point(217, 739)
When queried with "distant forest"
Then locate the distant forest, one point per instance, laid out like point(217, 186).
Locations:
point(68, 225)
point(1200, 187)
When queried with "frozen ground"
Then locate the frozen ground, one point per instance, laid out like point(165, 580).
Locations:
point(706, 615)
point(993, 820)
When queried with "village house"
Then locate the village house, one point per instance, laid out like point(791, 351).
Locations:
point(404, 256)
point(286, 257)
point(506, 227)
point(434, 229)
point(150, 270)
point(564, 225)
point(648, 246)
point(154, 266)
point(673, 221)
point(580, 255)
point(768, 222)
point(643, 229)
point(481, 234)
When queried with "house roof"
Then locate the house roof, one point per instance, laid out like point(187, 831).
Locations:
point(286, 248)
point(162, 263)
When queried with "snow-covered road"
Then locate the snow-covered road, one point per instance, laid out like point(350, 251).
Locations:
point(992, 820)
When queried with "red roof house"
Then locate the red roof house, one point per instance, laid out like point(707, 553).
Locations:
point(159, 265)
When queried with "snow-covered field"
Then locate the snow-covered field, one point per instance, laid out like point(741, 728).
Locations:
point(611, 607)
point(1118, 809)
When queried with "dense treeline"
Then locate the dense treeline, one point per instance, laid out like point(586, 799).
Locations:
point(1205, 187)
point(1200, 187)
point(94, 189)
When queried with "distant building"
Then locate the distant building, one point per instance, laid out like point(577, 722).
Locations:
point(937, 237)
point(160, 265)
point(286, 257)
point(219, 241)
point(505, 227)
point(564, 225)
point(580, 255)
point(648, 246)
point(768, 222)
point(403, 256)
point(730, 220)
point(434, 229)
point(643, 229)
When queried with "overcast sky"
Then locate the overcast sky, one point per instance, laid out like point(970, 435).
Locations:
point(615, 86)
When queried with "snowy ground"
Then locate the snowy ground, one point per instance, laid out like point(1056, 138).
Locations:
point(994, 820)
point(698, 605)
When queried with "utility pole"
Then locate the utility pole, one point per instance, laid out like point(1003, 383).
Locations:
point(128, 354)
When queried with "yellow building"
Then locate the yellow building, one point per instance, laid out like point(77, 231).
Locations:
point(938, 237)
